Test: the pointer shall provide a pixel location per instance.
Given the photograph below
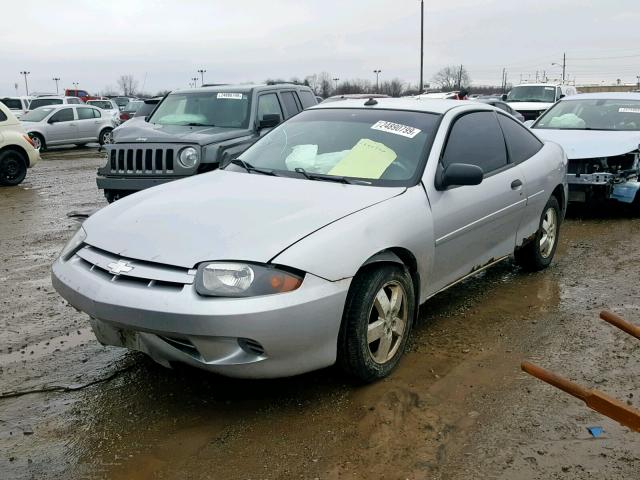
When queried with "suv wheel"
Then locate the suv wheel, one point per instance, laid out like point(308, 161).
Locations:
point(113, 195)
point(537, 254)
point(13, 168)
point(106, 136)
point(377, 320)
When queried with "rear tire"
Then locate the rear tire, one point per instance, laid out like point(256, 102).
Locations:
point(538, 253)
point(38, 141)
point(377, 322)
point(13, 168)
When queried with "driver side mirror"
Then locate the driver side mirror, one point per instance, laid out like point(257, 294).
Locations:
point(562, 95)
point(269, 120)
point(458, 174)
point(504, 97)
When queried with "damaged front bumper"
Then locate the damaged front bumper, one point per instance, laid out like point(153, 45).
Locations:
point(615, 178)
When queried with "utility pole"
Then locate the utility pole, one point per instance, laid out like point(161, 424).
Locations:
point(504, 80)
point(26, 85)
point(564, 66)
point(336, 80)
point(56, 79)
point(202, 72)
point(377, 72)
point(421, 86)
point(460, 78)
point(638, 78)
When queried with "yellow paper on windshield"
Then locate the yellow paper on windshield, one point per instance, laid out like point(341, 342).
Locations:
point(367, 159)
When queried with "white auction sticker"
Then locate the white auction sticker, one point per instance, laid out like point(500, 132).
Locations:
point(230, 96)
point(628, 110)
point(397, 128)
point(549, 88)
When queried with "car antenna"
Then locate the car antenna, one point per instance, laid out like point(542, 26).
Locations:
point(372, 101)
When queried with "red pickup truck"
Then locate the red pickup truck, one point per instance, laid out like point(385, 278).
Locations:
point(83, 94)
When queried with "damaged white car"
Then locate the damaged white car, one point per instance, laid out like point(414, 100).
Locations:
point(600, 134)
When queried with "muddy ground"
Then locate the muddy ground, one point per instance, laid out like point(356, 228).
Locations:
point(458, 406)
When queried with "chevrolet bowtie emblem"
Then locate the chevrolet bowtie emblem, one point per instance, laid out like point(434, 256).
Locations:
point(116, 268)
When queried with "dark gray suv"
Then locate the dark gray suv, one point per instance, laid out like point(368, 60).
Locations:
point(195, 131)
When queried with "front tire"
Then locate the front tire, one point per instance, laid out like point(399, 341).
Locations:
point(106, 136)
point(13, 168)
point(377, 321)
point(538, 254)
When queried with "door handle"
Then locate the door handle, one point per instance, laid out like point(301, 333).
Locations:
point(516, 184)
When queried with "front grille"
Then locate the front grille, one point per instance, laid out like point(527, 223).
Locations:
point(141, 159)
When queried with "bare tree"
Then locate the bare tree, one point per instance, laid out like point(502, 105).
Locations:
point(128, 85)
point(325, 86)
point(452, 77)
point(109, 90)
point(393, 88)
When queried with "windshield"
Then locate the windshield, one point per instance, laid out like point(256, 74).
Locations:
point(121, 101)
point(41, 102)
point(380, 147)
point(532, 93)
point(37, 114)
point(12, 103)
point(220, 109)
point(592, 114)
point(105, 105)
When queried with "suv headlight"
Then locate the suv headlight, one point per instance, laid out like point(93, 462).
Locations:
point(188, 157)
point(72, 245)
point(231, 279)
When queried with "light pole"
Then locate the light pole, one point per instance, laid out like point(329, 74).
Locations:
point(202, 71)
point(26, 85)
point(377, 72)
point(336, 80)
point(421, 86)
point(195, 81)
point(56, 79)
point(75, 84)
point(564, 66)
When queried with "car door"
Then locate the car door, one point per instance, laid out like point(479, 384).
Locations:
point(474, 225)
point(88, 124)
point(62, 127)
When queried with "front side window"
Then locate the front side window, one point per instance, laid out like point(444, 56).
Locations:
point(592, 114)
point(3, 117)
point(64, 115)
point(268, 105)
point(37, 115)
point(207, 109)
point(532, 93)
point(521, 142)
point(476, 139)
point(41, 102)
point(377, 147)
point(85, 114)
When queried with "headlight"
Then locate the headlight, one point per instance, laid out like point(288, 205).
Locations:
point(78, 238)
point(188, 157)
point(229, 279)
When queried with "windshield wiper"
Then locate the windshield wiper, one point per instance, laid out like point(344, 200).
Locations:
point(196, 124)
point(250, 168)
point(326, 178)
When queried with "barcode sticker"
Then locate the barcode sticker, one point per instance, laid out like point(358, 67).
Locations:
point(396, 128)
point(628, 110)
point(230, 96)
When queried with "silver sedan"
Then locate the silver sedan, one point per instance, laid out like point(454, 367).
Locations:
point(317, 245)
point(67, 124)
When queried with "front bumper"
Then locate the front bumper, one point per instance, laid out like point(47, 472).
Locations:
point(259, 337)
point(131, 183)
point(602, 185)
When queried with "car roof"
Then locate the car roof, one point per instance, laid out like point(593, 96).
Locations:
point(604, 96)
point(60, 97)
point(242, 88)
point(429, 105)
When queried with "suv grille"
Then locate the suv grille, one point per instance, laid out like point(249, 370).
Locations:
point(141, 159)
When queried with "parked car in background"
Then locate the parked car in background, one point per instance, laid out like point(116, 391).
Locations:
point(122, 101)
point(17, 105)
point(67, 124)
point(532, 99)
point(17, 151)
point(53, 100)
point(501, 105)
point(600, 132)
point(318, 244)
point(147, 107)
point(195, 131)
point(130, 110)
point(108, 106)
point(352, 96)
point(439, 95)
point(82, 94)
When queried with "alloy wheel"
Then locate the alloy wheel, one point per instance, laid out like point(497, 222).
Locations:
point(549, 232)
point(387, 322)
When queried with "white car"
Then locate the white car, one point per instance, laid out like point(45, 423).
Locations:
point(54, 100)
point(532, 99)
point(68, 124)
point(109, 107)
point(17, 151)
point(17, 105)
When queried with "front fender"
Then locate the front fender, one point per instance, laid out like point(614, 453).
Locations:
point(340, 249)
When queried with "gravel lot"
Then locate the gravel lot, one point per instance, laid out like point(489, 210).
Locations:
point(458, 407)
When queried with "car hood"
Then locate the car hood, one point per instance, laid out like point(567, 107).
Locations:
point(591, 143)
point(225, 216)
point(529, 106)
point(142, 131)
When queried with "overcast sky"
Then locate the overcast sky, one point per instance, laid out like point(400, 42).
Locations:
point(164, 43)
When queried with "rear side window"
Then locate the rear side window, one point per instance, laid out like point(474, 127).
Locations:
point(96, 113)
point(85, 113)
point(476, 139)
point(64, 115)
point(3, 117)
point(307, 98)
point(521, 143)
point(290, 105)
